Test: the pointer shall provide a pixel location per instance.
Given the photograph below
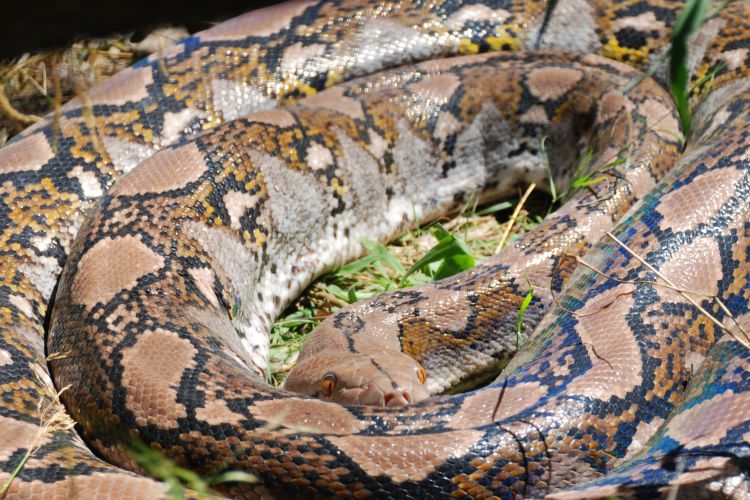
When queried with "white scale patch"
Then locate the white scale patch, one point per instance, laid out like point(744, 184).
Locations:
point(22, 305)
point(446, 125)
point(734, 59)
point(472, 165)
point(571, 29)
point(361, 172)
point(88, 181)
point(416, 166)
point(237, 203)
point(318, 156)
point(42, 243)
point(296, 200)
point(382, 43)
point(701, 41)
point(236, 264)
point(490, 135)
point(645, 21)
point(378, 145)
point(42, 274)
point(233, 100)
point(238, 270)
point(713, 108)
point(126, 154)
point(468, 13)
point(297, 55)
point(176, 124)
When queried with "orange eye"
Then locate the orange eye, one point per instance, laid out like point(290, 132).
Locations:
point(421, 375)
point(329, 384)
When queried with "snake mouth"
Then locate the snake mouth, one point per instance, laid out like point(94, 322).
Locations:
point(397, 397)
point(372, 395)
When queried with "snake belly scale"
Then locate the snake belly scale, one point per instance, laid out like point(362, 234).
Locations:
point(597, 401)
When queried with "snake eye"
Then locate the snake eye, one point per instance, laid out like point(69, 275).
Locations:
point(329, 383)
point(421, 375)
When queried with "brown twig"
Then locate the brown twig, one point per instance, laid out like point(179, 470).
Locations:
point(514, 216)
point(686, 295)
point(7, 109)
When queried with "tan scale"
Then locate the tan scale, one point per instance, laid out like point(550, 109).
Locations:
point(397, 33)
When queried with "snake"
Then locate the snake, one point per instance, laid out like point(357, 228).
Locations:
point(634, 382)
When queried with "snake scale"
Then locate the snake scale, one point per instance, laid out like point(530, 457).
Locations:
point(158, 325)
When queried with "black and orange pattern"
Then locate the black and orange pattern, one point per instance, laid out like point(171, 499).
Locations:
point(588, 390)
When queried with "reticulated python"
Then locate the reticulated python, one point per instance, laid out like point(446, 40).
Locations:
point(203, 240)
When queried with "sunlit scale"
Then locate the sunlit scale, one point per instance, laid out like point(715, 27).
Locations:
point(159, 325)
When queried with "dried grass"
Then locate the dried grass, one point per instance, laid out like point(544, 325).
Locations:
point(28, 83)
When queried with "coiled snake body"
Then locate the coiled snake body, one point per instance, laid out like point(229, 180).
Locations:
point(157, 332)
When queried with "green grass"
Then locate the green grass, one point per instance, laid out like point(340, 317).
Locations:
point(423, 255)
point(521, 311)
point(179, 479)
point(692, 17)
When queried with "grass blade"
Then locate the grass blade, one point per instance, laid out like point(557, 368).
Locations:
point(450, 249)
point(692, 17)
point(521, 311)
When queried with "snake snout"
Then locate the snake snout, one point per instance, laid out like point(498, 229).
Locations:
point(397, 397)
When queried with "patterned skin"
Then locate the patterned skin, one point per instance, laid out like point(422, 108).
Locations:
point(125, 271)
point(459, 328)
point(54, 172)
point(436, 325)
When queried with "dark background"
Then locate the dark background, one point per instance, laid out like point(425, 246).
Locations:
point(33, 25)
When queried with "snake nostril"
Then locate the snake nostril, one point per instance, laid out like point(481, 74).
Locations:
point(397, 398)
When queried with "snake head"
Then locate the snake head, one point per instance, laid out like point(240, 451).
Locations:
point(383, 379)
